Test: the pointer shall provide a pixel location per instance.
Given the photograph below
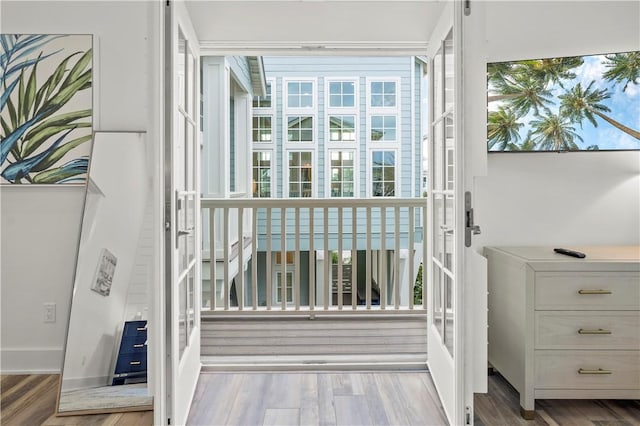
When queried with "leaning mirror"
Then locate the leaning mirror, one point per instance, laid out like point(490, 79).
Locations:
point(105, 362)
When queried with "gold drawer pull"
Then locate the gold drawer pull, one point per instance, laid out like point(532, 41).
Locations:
point(598, 331)
point(141, 345)
point(141, 329)
point(135, 363)
point(594, 291)
point(598, 371)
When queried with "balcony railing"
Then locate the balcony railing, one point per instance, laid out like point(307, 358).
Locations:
point(312, 255)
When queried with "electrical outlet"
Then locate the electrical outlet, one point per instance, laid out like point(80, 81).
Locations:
point(49, 312)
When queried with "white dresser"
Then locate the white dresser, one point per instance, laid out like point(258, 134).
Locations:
point(564, 327)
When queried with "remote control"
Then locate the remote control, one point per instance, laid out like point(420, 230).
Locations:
point(571, 253)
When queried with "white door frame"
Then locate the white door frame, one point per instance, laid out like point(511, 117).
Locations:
point(470, 360)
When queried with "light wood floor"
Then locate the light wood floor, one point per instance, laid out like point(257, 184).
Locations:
point(30, 400)
point(380, 398)
point(501, 406)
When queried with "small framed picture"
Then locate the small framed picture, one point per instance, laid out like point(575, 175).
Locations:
point(104, 274)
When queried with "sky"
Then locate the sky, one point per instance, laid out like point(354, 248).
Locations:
point(624, 105)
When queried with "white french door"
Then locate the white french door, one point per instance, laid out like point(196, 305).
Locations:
point(182, 212)
point(455, 271)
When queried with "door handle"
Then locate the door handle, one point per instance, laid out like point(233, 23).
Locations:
point(470, 228)
point(183, 232)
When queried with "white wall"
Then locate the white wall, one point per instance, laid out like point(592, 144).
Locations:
point(40, 225)
point(560, 199)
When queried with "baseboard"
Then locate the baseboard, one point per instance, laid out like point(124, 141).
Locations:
point(31, 360)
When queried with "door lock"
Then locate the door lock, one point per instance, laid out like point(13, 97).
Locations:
point(470, 228)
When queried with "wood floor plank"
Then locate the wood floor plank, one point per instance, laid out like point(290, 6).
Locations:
point(327, 414)
point(433, 404)
point(136, 418)
point(35, 404)
point(377, 411)
point(352, 410)
point(283, 390)
point(281, 417)
point(214, 394)
point(419, 402)
point(390, 402)
point(309, 411)
point(31, 400)
point(248, 408)
point(20, 388)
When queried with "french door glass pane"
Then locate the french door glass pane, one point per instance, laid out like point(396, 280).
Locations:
point(449, 85)
point(182, 314)
point(437, 297)
point(191, 309)
point(437, 83)
point(449, 313)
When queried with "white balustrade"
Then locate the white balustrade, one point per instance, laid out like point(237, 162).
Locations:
point(243, 237)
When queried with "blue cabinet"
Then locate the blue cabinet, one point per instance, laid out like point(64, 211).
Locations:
point(131, 364)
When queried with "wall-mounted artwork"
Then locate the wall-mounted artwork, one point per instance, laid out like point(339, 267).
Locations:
point(565, 104)
point(45, 108)
point(104, 274)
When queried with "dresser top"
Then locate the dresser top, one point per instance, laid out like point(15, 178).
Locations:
point(596, 256)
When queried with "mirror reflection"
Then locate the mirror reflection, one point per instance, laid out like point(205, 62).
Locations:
point(105, 365)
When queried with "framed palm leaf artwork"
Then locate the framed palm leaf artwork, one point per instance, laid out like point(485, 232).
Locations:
point(577, 103)
point(45, 108)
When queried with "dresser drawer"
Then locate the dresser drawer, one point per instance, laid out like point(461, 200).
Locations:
point(587, 330)
point(133, 345)
point(134, 328)
point(606, 291)
point(131, 363)
point(587, 369)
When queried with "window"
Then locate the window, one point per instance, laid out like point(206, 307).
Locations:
point(383, 128)
point(289, 289)
point(342, 128)
point(342, 173)
point(300, 174)
point(342, 94)
point(299, 129)
point(263, 101)
point(299, 94)
point(262, 174)
point(383, 94)
point(277, 291)
point(383, 171)
point(262, 130)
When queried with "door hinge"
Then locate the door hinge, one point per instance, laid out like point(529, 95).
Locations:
point(467, 7)
point(169, 419)
point(468, 415)
point(469, 227)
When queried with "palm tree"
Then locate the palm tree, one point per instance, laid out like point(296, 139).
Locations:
point(527, 145)
point(523, 92)
point(503, 128)
point(554, 70)
point(578, 104)
point(623, 66)
point(554, 132)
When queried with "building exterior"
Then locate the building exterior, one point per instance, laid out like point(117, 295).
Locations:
point(336, 128)
point(333, 128)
